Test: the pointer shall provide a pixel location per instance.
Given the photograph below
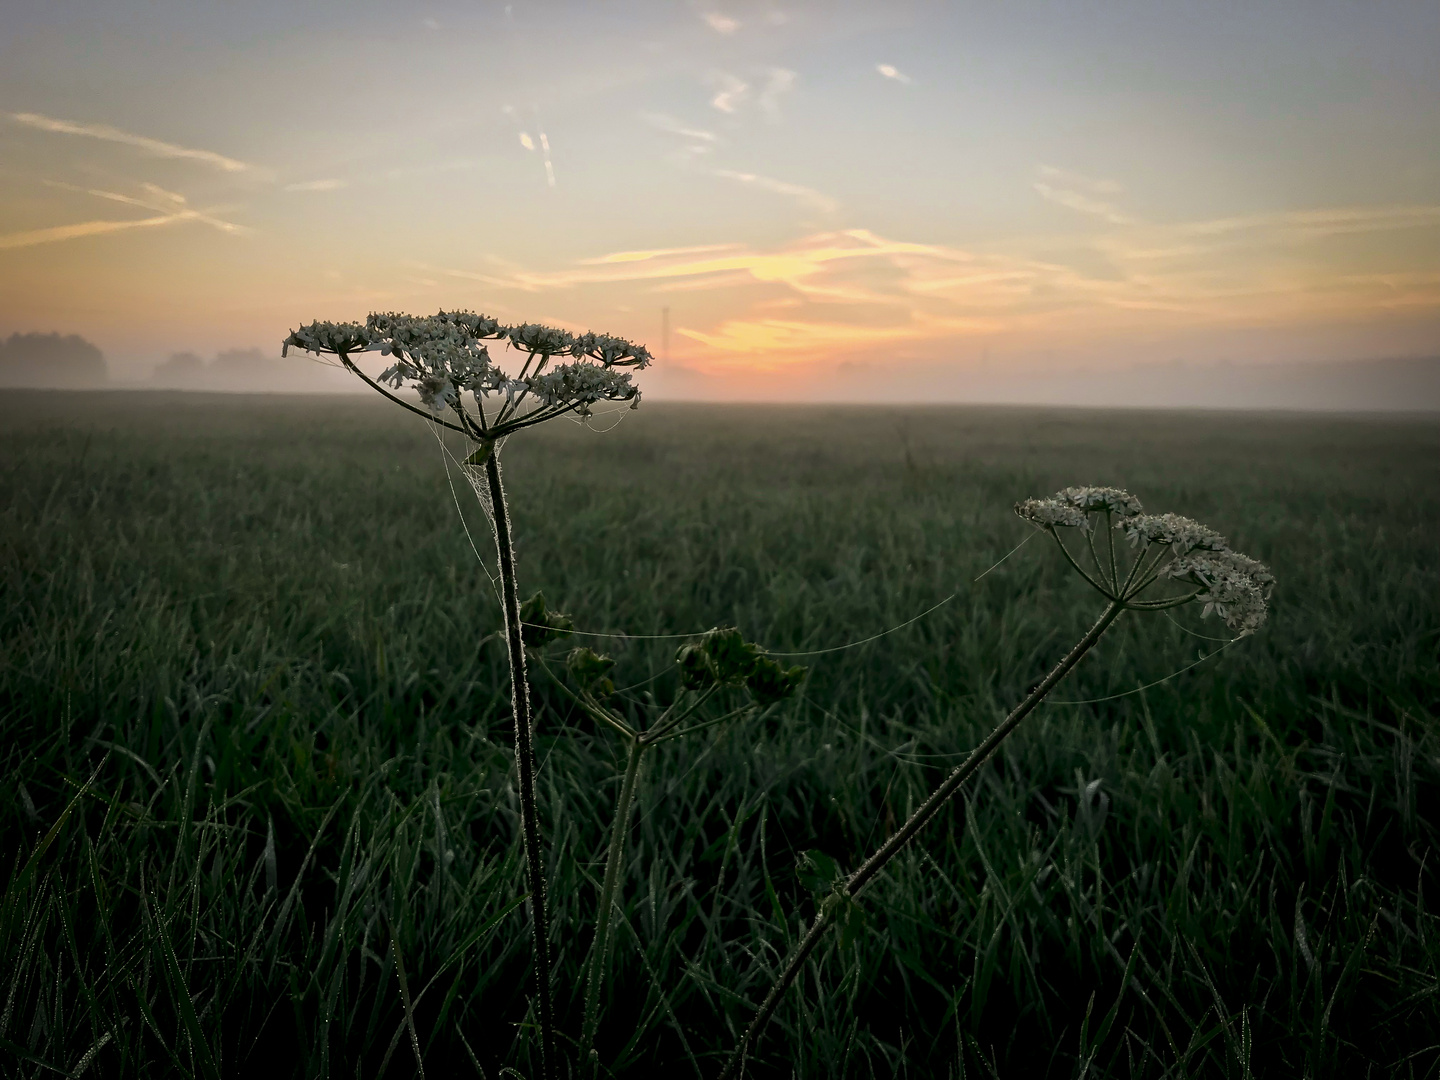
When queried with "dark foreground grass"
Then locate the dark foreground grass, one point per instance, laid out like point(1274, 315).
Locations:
point(257, 787)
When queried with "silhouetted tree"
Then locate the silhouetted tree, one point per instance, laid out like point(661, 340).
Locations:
point(180, 369)
point(243, 361)
point(249, 370)
point(50, 360)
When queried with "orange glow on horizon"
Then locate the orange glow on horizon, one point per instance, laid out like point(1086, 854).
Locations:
point(799, 205)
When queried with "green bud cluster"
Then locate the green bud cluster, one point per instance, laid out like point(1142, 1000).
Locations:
point(591, 671)
point(539, 625)
point(723, 657)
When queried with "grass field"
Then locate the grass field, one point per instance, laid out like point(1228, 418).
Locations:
point(246, 641)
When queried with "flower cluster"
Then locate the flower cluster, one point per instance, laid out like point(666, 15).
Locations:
point(1228, 584)
point(544, 340)
point(1233, 586)
point(440, 356)
point(328, 337)
point(1073, 507)
point(1181, 533)
point(612, 351)
point(583, 384)
point(1050, 513)
point(445, 355)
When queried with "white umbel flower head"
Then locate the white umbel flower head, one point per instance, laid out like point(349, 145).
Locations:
point(1182, 533)
point(446, 355)
point(1095, 499)
point(1233, 586)
point(328, 337)
point(611, 351)
point(542, 340)
point(584, 384)
point(1073, 507)
point(1049, 513)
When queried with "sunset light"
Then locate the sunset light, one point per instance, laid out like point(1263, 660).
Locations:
point(850, 200)
point(745, 539)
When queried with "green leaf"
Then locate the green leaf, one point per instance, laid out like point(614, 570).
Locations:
point(817, 871)
point(846, 913)
point(852, 922)
point(181, 993)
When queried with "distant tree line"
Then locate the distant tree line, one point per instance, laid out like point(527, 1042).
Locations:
point(242, 369)
point(187, 370)
point(51, 360)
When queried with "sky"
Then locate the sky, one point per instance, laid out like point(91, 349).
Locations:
point(827, 201)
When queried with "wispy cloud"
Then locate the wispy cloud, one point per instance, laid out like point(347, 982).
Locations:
point(720, 23)
point(817, 200)
point(787, 339)
point(794, 266)
point(111, 134)
point(156, 199)
point(1312, 224)
point(549, 166)
point(724, 279)
point(662, 122)
point(890, 71)
point(1083, 193)
point(1074, 180)
point(731, 93)
point(801, 265)
point(530, 143)
point(57, 233)
point(830, 293)
point(155, 191)
point(778, 82)
point(698, 141)
point(1085, 204)
point(318, 185)
point(646, 255)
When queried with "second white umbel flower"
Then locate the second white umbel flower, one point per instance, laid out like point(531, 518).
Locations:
point(1164, 549)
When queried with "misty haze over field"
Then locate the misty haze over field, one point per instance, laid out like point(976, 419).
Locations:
point(1399, 385)
point(1407, 385)
point(789, 202)
point(247, 370)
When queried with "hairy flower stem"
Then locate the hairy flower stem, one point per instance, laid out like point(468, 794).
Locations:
point(918, 820)
point(525, 765)
point(601, 946)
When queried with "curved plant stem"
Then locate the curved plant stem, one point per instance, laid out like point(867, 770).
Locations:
point(344, 359)
point(918, 820)
point(601, 945)
point(1110, 544)
point(1080, 569)
point(525, 765)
